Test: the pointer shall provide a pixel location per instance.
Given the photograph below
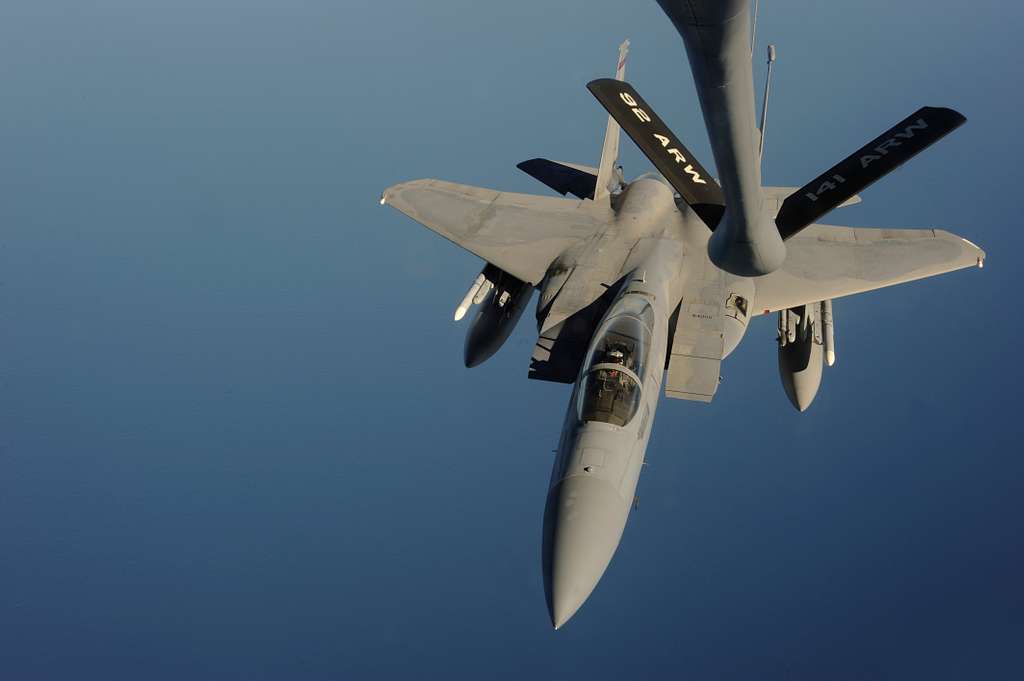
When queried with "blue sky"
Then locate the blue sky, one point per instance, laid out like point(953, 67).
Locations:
point(236, 437)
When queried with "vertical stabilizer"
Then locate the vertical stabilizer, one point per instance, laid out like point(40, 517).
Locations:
point(606, 176)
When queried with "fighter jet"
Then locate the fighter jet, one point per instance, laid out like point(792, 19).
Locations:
point(646, 286)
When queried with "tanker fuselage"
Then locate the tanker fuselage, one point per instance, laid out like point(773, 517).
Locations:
point(717, 38)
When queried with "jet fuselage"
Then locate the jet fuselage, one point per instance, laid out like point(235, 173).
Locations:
point(611, 412)
point(644, 290)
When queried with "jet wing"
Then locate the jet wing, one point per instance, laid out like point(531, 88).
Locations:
point(824, 262)
point(521, 234)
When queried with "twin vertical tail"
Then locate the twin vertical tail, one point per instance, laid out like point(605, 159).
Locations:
point(607, 175)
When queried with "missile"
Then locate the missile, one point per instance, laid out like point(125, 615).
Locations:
point(830, 341)
point(482, 292)
point(470, 298)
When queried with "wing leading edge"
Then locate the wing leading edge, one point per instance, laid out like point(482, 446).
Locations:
point(521, 234)
point(825, 262)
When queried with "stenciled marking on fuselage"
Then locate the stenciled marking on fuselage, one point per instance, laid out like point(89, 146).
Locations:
point(677, 155)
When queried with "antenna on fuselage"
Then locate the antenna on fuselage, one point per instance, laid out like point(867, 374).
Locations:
point(764, 106)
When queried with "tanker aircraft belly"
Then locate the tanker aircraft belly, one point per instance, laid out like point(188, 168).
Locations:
point(646, 286)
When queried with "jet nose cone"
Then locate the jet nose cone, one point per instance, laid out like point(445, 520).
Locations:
point(583, 523)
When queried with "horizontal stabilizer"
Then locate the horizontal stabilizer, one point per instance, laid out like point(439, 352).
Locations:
point(874, 160)
point(673, 160)
point(564, 178)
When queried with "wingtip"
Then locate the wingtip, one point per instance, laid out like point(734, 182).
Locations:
point(392, 196)
point(979, 253)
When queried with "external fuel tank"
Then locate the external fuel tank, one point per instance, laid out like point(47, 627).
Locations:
point(801, 353)
point(501, 299)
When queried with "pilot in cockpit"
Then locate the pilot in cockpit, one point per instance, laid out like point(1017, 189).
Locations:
point(621, 353)
point(616, 356)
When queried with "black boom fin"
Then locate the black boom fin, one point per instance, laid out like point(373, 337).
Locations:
point(673, 160)
point(870, 163)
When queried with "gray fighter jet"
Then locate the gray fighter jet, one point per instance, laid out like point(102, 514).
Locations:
point(646, 286)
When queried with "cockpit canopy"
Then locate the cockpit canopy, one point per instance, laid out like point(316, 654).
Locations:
point(610, 389)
